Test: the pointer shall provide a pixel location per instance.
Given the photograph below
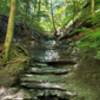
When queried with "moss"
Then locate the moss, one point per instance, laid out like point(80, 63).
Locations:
point(85, 79)
point(17, 64)
point(89, 69)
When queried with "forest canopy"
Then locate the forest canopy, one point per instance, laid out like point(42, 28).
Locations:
point(48, 14)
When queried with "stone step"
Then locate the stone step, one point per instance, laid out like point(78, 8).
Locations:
point(40, 65)
point(49, 94)
point(56, 61)
point(51, 66)
point(44, 85)
point(49, 70)
point(49, 89)
point(43, 78)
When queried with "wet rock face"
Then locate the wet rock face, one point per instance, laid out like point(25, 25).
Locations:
point(55, 53)
point(3, 27)
point(21, 30)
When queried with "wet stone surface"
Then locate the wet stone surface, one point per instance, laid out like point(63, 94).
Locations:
point(45, 78)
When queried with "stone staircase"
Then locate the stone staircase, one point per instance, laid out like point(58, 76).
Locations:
point(48, 70)
point(46, 82)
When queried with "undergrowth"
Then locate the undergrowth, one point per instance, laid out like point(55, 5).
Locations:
point(91, 40)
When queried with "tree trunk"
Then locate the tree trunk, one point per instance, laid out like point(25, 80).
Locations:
point(93, 7)
point(10, 29)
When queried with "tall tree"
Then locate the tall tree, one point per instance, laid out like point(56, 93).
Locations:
point(10, 29)
point(93, 7)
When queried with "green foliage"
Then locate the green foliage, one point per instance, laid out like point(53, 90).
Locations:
point(4, 7)
point(94, 20)
point(37, 13)
point(91, 40)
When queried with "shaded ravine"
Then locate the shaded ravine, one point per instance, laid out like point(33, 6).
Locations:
point(57, 79)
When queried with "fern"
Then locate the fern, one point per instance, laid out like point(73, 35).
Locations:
point(91, 41)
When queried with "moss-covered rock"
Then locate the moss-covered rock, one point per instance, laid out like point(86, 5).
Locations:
point(17, 64)
point(85, 79)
